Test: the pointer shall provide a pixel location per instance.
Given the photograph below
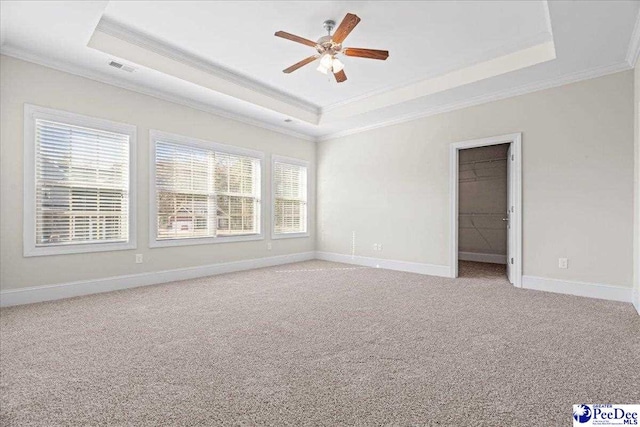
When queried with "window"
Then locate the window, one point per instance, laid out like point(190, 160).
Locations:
point(78, 183)
point(289, 197)
point(203, 192)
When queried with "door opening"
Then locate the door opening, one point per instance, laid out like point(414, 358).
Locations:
point(482, 207)
point(486, 201)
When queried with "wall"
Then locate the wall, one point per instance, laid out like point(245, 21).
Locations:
point(636, 234)
point(482, 187)
point(390, 185)
point(23, 82)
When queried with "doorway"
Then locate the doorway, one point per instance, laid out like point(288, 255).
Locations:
point(482, 208)
point(486, 203)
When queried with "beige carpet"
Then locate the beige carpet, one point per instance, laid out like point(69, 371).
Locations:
point(317, 343)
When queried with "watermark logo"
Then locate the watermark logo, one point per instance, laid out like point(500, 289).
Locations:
point(581, 413)
point(605, 415)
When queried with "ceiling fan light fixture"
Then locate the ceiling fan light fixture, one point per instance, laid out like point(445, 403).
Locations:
point(323, 69)
point(329, 46)
point(337, 65)
point(326, 61)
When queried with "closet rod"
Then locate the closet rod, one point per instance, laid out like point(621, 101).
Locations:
point(482, 228)
point(483, 161)
point(481, 178)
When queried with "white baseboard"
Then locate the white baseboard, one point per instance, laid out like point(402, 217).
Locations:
point(67, 290)
point(477, 257)
point(85, 287)
point(582, 289)
point(411, 267)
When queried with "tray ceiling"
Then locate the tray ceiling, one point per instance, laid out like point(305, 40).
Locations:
point(222, 56)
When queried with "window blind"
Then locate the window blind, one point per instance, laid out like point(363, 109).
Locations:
point(82, 185)
point(204, 193)
point(290, 198)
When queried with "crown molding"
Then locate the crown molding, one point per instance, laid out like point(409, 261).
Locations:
point(484, 99)
point(505, 49)
point(494, 67)
point(547, 16)
point(144, 41)
point(27, 56)
point(141, 40)
point(633, 52)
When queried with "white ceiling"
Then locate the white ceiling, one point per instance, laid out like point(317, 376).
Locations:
point(239, 36)
point(226, 59)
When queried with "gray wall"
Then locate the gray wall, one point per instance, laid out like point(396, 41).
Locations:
point(482, 200)
point(24, 82)
point(391, 185)
point(636, 239)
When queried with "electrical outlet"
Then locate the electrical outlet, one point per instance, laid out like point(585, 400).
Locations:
point(139, 258)
point(563, 263)
point(375, 246)
point(379, 246)
point(269, 247)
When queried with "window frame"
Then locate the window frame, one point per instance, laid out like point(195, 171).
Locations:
point(154, 137)
point(297, 162)
point(33, 113)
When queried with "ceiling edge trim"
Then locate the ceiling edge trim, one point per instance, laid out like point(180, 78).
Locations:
point(484, 99)
point(547, 16)
point(482, 71)
point(106, 79)
point(479, 100)
point(130, 35)
point(633, 52)
point(506, 49)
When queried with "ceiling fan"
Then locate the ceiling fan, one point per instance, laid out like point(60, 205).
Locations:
point(329, 46)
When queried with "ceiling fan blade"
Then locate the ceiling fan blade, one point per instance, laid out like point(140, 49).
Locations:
point(295, 38)
point(300, 64)
point(346, 26)
point(366, 53)
point(340, 76)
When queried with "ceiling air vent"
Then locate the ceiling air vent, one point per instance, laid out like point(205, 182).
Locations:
point(122, 67)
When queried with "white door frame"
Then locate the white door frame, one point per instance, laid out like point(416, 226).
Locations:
point(515, 139)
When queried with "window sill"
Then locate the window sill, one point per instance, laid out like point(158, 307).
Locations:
point(275, 236)
point(77, 248)
point(204, 240)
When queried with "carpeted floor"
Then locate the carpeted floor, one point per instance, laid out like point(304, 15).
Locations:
point(318, 343)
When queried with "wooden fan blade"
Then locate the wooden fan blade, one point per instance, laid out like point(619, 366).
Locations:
point(300, 64)
point(295, 38)
point(346, 26)
point(340, 76)
point(366, 53)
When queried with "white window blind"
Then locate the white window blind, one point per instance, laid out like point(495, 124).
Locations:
point(81, 185)
point(203, 193)
point(290, 198)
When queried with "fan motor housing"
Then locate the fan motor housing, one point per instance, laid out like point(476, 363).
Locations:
point(326, 45)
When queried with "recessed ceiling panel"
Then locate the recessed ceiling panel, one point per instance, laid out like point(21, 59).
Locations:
point(443, 55)
point(425, 39)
